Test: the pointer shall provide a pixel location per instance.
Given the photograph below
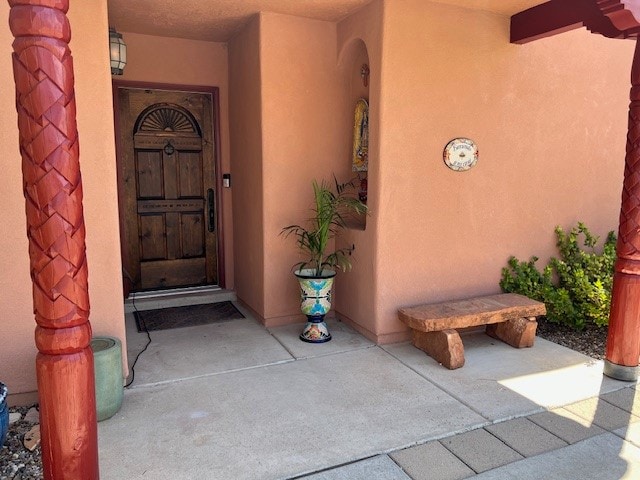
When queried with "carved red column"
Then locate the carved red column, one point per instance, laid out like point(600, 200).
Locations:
point(43, 72)
point(623, 340)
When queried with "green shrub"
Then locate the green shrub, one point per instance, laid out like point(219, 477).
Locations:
point(576, 288)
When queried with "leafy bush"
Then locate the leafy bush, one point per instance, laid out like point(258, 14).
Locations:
point(576, 288)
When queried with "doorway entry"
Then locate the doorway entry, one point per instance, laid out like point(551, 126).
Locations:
point(168, 187)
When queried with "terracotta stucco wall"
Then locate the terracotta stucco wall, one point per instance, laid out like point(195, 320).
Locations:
point(17, 347)
point(302, 96)
point(97, 159)
point(245, 125)
point(355, 291)
point(550, 122)
point(179, 61)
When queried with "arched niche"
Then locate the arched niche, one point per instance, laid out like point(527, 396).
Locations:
point(354, 63)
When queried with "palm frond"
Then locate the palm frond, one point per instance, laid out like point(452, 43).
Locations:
point(329, 214)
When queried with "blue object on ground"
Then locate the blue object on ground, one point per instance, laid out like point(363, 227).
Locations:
point(4, 414)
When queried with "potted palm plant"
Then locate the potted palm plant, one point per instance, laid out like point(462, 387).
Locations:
point(331, 210)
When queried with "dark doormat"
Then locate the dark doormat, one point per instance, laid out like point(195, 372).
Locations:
point(189, 316)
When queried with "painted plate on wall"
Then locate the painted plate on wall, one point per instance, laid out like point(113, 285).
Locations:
point(460, 154)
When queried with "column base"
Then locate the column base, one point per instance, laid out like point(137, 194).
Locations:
point(621, 372)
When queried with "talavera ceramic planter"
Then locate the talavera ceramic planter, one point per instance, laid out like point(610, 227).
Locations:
point(315, 303)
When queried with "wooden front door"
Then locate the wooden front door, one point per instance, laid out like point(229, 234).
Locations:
point(167, 186)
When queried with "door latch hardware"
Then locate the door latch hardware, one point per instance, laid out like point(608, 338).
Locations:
point(211, 204)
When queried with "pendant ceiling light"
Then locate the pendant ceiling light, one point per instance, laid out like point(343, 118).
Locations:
point(117, 52)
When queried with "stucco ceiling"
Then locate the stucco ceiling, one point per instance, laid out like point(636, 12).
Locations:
point(218, 20)
point(501, 7)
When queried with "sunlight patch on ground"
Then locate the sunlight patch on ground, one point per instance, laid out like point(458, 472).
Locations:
point(584, 422)
point(560, 386)
point(629, 453)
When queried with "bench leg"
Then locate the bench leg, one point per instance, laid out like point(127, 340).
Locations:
point(445, 347)
point(519, 333)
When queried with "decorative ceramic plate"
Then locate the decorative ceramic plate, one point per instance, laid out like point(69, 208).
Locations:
point(460, 154)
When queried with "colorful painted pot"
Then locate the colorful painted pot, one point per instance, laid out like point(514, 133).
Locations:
point(315, 303)
point(4, 414)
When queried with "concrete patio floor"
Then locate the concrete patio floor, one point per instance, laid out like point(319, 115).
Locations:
point(234, 400)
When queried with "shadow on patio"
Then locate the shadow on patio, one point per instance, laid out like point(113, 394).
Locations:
point(237, 401)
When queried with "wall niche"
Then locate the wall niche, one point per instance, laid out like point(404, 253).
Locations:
point(356, 63)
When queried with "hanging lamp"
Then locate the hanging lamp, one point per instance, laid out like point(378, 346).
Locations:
point(117, 52)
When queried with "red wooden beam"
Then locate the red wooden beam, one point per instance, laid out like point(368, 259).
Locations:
point(550, 18)
point(48, 137)
point(611, 18)
point(623, 14)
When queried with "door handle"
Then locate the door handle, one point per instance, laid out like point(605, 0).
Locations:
point(211, 207)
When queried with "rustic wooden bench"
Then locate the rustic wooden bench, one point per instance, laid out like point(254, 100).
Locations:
point(508, 317)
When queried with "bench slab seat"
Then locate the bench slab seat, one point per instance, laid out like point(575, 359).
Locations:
point(508, 317)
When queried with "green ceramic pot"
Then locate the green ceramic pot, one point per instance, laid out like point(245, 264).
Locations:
point(107, 359)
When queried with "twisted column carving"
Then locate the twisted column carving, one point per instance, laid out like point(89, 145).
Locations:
point(623, 341)
point(45, 101)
